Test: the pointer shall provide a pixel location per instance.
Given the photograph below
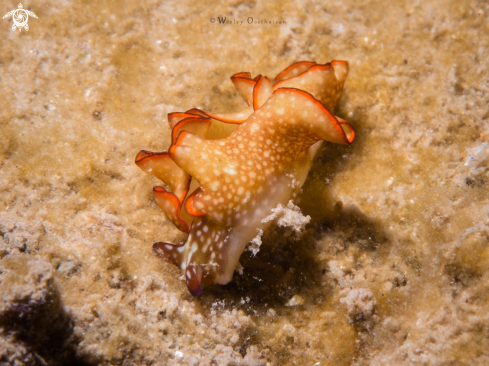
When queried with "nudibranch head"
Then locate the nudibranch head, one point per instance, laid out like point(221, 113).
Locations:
point(220, 188)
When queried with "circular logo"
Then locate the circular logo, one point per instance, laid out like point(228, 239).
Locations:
point(20, 18)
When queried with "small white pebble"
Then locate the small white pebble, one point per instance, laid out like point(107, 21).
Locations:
point(295, 301)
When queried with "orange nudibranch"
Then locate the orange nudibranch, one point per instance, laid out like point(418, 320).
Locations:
point(221, 182)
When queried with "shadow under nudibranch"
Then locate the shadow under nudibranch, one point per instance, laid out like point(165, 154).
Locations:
point(286, 265)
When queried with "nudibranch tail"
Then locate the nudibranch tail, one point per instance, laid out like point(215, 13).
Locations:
point(224, 173)
point(193, 278)
point(210, 253)
point(177, 255)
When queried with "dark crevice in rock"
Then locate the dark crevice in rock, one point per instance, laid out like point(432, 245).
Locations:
point(33, 324)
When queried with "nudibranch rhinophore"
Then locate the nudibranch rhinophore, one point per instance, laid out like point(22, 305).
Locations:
point(224, 173)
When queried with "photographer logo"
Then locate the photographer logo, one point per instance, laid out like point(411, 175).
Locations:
point(20, 17)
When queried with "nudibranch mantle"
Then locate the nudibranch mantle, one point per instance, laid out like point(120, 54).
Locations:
point(220, 186)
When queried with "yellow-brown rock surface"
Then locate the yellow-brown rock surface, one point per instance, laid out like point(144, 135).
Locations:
point(393, 268)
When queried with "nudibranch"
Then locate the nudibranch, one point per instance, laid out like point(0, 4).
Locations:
point(221, 182)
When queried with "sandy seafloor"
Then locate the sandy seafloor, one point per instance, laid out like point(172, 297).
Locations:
point(393, 268)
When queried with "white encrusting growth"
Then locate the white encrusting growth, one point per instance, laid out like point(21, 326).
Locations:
point(360, 304)
point(288, 216)
point(255, 243)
